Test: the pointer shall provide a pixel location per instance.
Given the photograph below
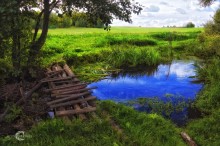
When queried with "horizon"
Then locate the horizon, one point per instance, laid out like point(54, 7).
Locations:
point(171, 13)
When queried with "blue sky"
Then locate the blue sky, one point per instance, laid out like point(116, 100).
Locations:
point(158, 13)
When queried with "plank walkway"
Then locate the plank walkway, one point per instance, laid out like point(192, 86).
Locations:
point(69, 97)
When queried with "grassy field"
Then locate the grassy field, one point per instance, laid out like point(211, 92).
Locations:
point(93, 53)
point(137, 129)
point(77, 30)
point(122, 46)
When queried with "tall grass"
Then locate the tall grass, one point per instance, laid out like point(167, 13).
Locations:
point(123, 56)
point(137, 129)
point(209, 98)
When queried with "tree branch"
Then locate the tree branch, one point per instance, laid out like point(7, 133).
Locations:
point(37, 26)
point(53, 5)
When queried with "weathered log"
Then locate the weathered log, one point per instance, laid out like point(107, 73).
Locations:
point(76, 111)
point(56, 92)
point(90, 102)
point(73, 102)
point(64, 87)
point(68, 70)
point(81, 116)
point(188, 139)
point(56, 79)
point(60, 94)
point(69, 98)
point(24, 98)
point(70, 73)
point(70, 89)
point(52, 85)
point(55, 71)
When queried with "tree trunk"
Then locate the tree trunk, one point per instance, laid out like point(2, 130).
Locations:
point(37, 45)
point(16, 45)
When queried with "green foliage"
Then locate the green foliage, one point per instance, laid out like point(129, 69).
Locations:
point(59, 22)
point(15, 33)
point(213, 27)
point(137, 129)
point(175, 36)
point(190, 25)
point(209, 99)
point(81, 23)
point(205, 131)
point(126, 56)
point(141, 128)
point(5, 67)
point(14, 112)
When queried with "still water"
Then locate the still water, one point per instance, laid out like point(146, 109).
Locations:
point(158, 81)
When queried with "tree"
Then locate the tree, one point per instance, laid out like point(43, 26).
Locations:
point(206, 2)
point(213, 26)
point(190, 25)
point(14, 31)
point(103, 10)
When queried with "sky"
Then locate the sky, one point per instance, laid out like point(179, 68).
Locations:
point(159, 13)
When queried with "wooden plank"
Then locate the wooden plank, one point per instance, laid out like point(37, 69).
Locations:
point(68, 70)
point(65, 87)
point(188, 139)
point(90, 102)
point(55, 71)
point(56, 79)
point(60, 94)
point(70, 89)
point(51, 85)
point(78, 111)
point(76, 106)
point(72, 102)
point(69, 98)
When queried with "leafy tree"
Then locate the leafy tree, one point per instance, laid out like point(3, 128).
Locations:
point(206, 2)
point(213, 26)
point(190, 25)
point(20, 10)
point(105, 10)
point(15, 31)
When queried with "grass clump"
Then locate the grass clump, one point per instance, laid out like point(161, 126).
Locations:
point(142, 128)
point(205, 131)
point(122, 56)
point(137, 129)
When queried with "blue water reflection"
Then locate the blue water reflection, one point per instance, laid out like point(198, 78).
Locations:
point(164, 79)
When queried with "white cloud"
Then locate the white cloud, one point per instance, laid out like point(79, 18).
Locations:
point(181, 11)
point(152, 8)
point(168, 13)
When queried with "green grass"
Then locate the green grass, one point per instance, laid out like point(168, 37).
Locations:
point(92, 53)
point(77, 30)
point(137, 129)
point(134, 45)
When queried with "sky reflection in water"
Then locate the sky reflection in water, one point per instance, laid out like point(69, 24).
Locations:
point(163, 81)
point(153, 82)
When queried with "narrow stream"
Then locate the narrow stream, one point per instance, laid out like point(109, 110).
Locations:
point(168, 82)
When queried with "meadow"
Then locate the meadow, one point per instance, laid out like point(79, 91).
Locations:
point(93, 53)
point(102, 50)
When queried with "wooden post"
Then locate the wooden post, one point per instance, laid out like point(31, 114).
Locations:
point(188, 139)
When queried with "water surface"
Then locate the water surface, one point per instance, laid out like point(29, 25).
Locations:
point(159, 81)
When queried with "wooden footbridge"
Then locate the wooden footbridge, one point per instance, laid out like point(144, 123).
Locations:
point(69, 97)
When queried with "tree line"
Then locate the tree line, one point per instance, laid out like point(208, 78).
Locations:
point(77, 19)
point(21, 46)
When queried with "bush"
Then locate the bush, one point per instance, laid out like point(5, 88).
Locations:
point(123, 56)
point(81, 23)
point(190, 25)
